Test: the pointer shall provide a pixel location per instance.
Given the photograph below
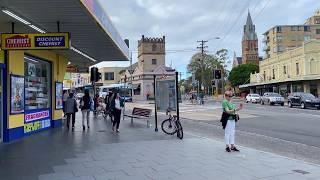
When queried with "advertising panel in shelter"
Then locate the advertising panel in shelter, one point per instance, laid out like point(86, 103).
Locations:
point(166, 95)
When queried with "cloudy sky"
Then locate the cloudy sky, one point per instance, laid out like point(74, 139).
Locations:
point(183, 22)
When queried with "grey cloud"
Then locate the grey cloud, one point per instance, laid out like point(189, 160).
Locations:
point(184, 22)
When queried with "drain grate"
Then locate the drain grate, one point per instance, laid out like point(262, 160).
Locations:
point(301, 171)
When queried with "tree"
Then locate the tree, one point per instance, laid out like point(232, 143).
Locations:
point(210, 62)
point(241, 74)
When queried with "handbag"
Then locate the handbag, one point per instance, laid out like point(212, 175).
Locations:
point(237, 117)
point(81, 103)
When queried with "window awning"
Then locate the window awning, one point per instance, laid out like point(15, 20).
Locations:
point(91, 30)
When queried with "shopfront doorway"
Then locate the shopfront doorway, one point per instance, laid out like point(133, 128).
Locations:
point(1, 105)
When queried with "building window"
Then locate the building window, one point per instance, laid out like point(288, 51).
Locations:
point(264, 75)
point(154, 47)
point(279, 29)
point(109, 76)
point(306, 28)
point(284, 70)
point(37, 83)
point(280, 49)
point(293, 28)
point(300, 28)
point(279, 38)
point(317, 21)
point(313, 66)
point(317, 31)
point(297, 68)
point(273, 74)
point(307, 38)
point(154, 61)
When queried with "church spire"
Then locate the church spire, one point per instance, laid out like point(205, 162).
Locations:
point(249, 20)
point(249, 31)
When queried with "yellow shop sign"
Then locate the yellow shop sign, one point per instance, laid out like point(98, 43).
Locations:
point(35, 41)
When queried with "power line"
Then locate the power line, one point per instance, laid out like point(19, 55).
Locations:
point(265, 5)
point(238, 23)
point(224, 19)
point(243, 10)
point(224, 5)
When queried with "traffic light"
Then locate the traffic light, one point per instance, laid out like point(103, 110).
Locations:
point(93, 71)
point(217, 74)
point(98, 76)
point(95, 75)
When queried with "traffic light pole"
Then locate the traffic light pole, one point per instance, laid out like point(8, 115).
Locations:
point(222, 82)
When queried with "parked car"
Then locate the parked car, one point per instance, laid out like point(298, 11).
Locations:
point(272, 99)
point(253, 98)
point(303, 100)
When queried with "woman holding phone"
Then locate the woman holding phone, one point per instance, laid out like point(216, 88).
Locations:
point(230, 117)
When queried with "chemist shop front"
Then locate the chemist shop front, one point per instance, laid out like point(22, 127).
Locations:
point(31, 77)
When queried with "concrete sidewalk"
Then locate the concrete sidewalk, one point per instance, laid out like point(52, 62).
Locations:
point(138, 153)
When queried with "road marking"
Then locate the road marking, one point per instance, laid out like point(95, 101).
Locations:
point(270, 153)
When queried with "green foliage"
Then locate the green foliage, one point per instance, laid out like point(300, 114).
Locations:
point(210, 62)
point(241, 74)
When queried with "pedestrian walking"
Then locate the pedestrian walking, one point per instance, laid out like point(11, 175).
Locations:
point(70, 110)
point(96, 104)
point(85, 106)
point(116, 105)
point(229, 119)
point(64, 100)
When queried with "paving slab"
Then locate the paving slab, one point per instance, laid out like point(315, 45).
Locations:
point(138, 152)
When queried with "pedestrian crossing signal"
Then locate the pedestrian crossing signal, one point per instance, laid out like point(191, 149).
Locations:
point(213, 83)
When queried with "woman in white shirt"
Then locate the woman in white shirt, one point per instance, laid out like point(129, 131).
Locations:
point(116, 106)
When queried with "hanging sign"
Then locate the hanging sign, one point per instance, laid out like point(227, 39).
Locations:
point(35, 41)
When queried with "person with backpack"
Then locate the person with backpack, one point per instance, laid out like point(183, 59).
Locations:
point(70, 109)
point(85, 106)
point(116, 105)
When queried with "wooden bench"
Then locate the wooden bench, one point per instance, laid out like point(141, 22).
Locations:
point(140, 113)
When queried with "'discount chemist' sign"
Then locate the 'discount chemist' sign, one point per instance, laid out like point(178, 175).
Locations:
point(35, 41)
point(49, 41)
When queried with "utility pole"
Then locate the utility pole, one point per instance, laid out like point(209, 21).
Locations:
point(131, 74)
point(202, 48)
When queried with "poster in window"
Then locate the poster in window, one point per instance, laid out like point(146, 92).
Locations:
point(17, 94)
point(59, 95)
point(31, 69)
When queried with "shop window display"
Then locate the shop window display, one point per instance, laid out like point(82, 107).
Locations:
point(37, 83)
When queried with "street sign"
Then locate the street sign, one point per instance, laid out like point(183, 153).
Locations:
point(35, 41)
point(72, 69)
point(195, 83)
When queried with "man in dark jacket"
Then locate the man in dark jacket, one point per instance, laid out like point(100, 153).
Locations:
point(71, 109)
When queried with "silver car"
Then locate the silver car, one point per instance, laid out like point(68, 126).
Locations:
point(272, 99)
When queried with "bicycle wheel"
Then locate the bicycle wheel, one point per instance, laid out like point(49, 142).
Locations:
point(179, 130)
point(168, 127)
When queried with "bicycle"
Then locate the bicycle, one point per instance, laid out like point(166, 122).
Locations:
point(172, 125)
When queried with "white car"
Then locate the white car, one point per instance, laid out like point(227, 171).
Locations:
point(253, 98)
